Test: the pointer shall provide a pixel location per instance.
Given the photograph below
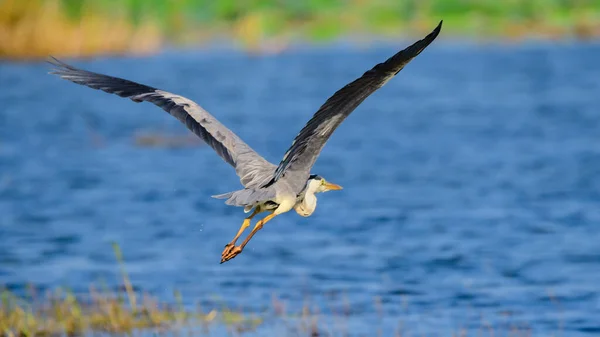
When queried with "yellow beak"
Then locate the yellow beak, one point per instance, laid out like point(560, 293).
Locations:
point(332, 187)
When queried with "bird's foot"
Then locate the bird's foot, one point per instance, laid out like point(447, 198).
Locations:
point(230, 251)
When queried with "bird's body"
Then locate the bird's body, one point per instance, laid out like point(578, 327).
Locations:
point(269, 188)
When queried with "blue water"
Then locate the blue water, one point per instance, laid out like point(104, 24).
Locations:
point(471, 186)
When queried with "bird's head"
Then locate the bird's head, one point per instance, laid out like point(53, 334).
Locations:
point(318, 184)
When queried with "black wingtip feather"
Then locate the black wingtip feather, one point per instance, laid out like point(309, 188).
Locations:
point(58, 64)
point(54, 62)
point(397, 62)
point(109, 84)
point(433, 35)
point(435, 32)
point(439, 27)
point(427, 40)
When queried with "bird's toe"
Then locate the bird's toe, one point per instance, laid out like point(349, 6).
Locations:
point(230, 252)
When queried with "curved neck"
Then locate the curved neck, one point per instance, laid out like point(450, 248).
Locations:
point(308, 201)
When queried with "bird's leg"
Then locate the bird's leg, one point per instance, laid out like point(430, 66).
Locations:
point(259, 226)
point(233, 251)
point(245, 224)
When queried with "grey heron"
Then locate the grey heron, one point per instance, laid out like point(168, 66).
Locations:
point(275, 189)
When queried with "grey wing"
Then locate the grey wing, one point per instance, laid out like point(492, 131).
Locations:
point(307, 145)
point(252, 169)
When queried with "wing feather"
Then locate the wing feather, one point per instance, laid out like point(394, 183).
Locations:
point(307, 145)
point(252, 168)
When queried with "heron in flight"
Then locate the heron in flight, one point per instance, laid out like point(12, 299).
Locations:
point(275, 189)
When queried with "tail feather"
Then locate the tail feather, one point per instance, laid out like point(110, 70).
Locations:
point(222, 196)
point(247, 198)
point(227, 196)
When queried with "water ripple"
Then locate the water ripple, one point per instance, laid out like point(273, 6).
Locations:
point(471, 186)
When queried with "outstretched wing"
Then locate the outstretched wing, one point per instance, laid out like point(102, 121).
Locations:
point(307, 145)
point(252, 169)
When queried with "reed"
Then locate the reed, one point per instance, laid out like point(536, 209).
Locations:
point(63, 312)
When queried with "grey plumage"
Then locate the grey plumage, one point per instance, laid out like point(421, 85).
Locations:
point(310, 141)
point(263, 181)
point(252, 168)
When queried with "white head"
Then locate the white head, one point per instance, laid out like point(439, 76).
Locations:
point(317, 184)
point(308, 202)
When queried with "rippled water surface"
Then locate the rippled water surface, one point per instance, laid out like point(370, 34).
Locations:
point(471, 186)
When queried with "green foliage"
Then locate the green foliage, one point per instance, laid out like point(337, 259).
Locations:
point(62, 312)
point(88, 27)
point(376, 12)
point(73, 8)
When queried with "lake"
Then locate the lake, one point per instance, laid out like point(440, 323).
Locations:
point(471, 186)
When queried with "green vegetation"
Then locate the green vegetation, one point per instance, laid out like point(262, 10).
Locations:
point(61, 312)
point(126, 311)
point(323, 19)
point(35, 28)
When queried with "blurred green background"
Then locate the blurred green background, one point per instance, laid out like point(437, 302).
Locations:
point(35, 28)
